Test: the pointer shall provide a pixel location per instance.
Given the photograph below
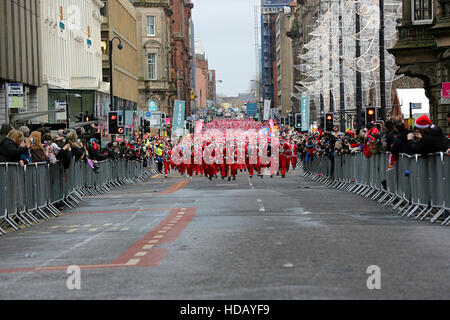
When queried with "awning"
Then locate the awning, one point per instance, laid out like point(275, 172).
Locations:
point(31, 115)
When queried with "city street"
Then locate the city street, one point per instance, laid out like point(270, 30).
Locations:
point(176, 238)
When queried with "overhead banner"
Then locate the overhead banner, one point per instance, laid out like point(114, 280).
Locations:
point(266, 109)
point(178, 118)
point(305, 113)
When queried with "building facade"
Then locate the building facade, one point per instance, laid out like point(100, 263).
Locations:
point(423, 51)
point(153, 28)
point(269, 11)
point(20, 57)
point(201, 82)
point(71, 58)
point(284, 64)
point(182, 51)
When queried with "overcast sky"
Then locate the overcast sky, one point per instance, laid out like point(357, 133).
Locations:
point(226, 28)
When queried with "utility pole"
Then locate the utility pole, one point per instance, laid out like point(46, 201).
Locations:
point(382, 65)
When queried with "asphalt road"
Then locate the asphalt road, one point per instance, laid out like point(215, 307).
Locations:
point(246, 239)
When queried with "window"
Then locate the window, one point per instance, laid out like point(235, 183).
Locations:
point(151, 62)
point(422, 11)
point(150, 25)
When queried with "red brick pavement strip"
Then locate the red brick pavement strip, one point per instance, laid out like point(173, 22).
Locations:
point(142, 253)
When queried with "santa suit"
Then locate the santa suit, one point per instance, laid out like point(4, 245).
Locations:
point(167, 156)
point(285, 154)
point(294, 149)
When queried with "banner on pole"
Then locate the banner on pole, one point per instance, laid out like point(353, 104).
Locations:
point(178, 118)
point(305, 113)
point(266, 109)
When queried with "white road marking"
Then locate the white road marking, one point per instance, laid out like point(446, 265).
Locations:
point(133, 262)
point(262, 209)
point(147, 247)
point(153, 241)
point(288, 265)
point(140, 254)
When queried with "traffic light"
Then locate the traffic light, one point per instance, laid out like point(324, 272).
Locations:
point(298, 120)
point(192, 95)
point(87, 118)
point(371, 115)
point(329, 122)
point(113, 125)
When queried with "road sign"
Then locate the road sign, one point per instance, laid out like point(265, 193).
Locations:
point(147, 115)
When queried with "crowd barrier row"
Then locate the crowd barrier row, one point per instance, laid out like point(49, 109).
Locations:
point(417, 187)
point(32, 192)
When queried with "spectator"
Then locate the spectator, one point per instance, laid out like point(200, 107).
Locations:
point(427, 138)
point(38, 152)
point(25, 130)
point(78, 151)
point(13, 147)
point(5, 129)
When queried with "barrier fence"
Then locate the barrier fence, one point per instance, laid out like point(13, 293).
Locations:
point(32, 192)
point(417, 187)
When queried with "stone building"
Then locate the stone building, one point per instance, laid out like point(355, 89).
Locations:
point(182, 51)
point(423, 51)
point(153, 29)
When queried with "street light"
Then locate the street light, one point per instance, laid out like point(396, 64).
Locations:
point(119, 46)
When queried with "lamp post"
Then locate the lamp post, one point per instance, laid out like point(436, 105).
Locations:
point(119, 46)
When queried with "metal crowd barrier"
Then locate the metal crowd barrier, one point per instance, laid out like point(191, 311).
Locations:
point(417, 187)
point(34, 192)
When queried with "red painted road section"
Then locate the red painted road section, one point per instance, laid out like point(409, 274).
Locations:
point(175, 187)
point(173, 225)
point(113, 211)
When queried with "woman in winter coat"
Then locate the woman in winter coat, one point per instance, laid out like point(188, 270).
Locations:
point(38, 152)
point(13, 147)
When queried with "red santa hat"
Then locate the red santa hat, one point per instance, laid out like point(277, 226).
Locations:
point(423, 122)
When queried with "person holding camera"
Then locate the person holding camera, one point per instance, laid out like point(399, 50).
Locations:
point(427, 138)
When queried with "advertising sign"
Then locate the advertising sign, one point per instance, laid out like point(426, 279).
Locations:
point(178, 118)
point(152, 105)
point(14, 96)
point(446, 90)
point(305, 113)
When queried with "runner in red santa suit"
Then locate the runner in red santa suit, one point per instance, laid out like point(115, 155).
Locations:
point(294, 149)
point(167, 160)
point(285, 155)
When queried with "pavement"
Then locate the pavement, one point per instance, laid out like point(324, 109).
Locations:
point(178, 238)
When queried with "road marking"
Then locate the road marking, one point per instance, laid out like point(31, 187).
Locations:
point(262, 209)
point(133, 262)
point(116, 224)
point(288, 265)
point(159, 236)
point(87, 225)
point(179, 217)
point(140, 254)
point(174, 221)
point(162, 231)
point(170, 224)
point(54, 227)
point(106, 224)
point(183, 209)
point(259, 200)
point(147, 247)
point(153, 241)
point(93, 229)
point(167, 228)
point(71, 230)
point(113, 228)
point(125, 229)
